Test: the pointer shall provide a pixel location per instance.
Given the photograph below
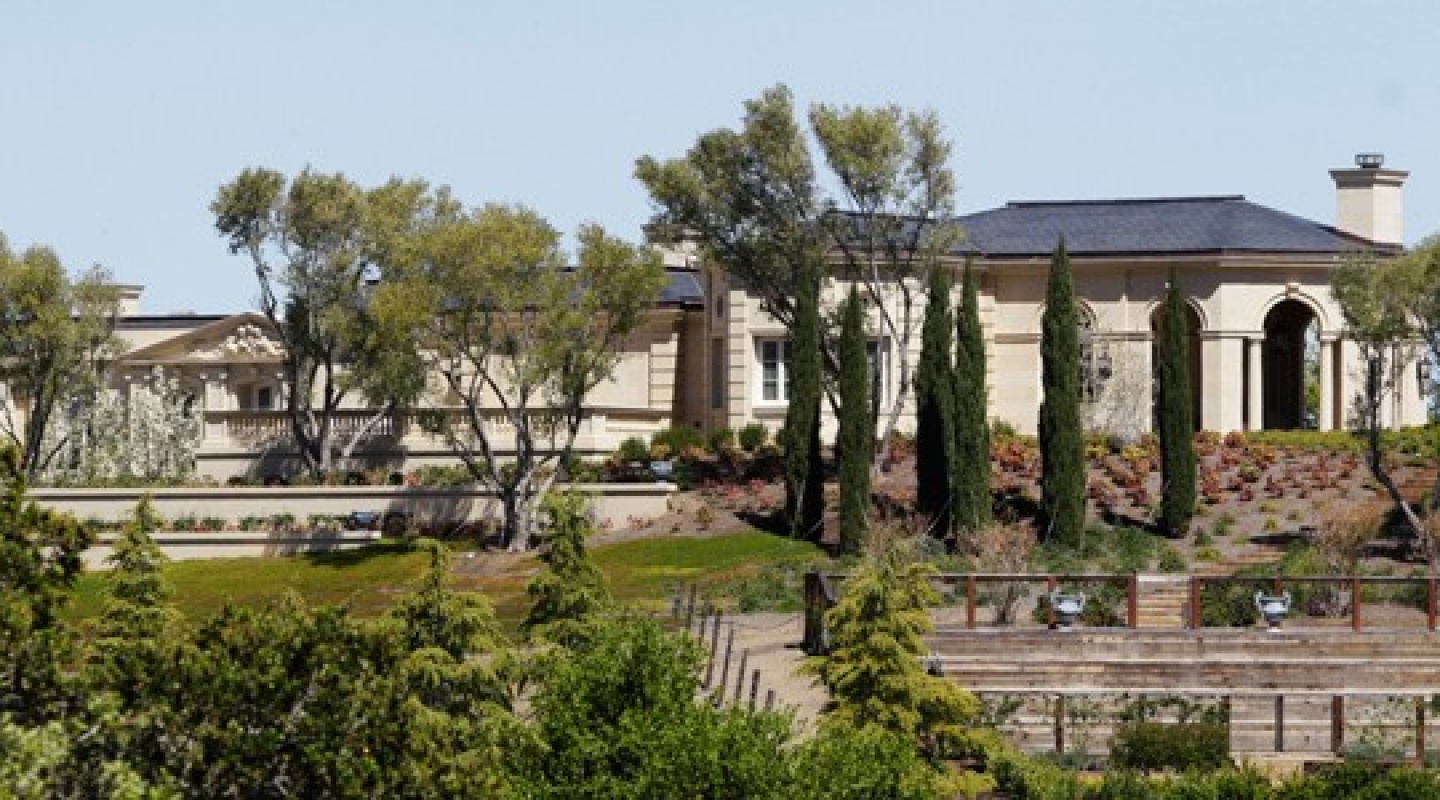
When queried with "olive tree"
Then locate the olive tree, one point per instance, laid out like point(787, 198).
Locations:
point(519, 340)
point(56, 332)
point(752, 199)
point(318, 243)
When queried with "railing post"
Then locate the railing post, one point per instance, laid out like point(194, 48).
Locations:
point(1049, 602)
point(1194, 602)
point(1430, 601)
point(1060, 725)
point(1355, 603)
point(1279, 723)
point(1420, 732)
point(1337, 724)
point(970, 602)
point(1132, 608)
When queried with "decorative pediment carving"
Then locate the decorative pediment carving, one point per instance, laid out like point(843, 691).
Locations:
point(246, 342)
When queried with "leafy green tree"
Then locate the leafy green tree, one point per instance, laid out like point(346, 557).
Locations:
point(971, 472)
point(39, 562)
point(620, 717)
point(856, 435)
point(570, 590)
point(752, 200)
point(935, 407)
point(516, 334)
point(804, 471)
point(1062, 448)
point(1174, 416)
point(288, 700)
point(55, 335)
point(843, 762)
point(316, 243)
point(873, 669)
point(1391, 308)
point(518, 337)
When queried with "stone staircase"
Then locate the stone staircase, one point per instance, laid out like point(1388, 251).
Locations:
point(1162, 601)
point(1087, 675)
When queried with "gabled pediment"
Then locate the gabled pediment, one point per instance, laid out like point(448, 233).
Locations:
point(243, 338)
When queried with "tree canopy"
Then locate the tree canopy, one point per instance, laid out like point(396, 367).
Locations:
point(55, 334)
point(318, 243)
point(753, 200)
point(520, 338)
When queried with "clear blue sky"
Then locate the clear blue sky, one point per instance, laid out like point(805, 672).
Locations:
point(118, 121)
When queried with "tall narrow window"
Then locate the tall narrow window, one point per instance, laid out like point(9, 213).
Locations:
point(717, 373)
point(774, 369)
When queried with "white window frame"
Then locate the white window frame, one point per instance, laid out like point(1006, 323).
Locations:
point(772, 353)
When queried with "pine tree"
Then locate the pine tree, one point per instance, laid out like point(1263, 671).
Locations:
point(856, 438)
point(935, 407)
point(873, 669)
point(1062, 449)
point(571, 589)
point(971, 473)
point(1174, 417)
point(804, 473)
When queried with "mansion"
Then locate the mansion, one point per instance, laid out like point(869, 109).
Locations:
point(1264, 332)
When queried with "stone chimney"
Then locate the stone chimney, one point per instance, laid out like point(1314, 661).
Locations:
point(1368, 200)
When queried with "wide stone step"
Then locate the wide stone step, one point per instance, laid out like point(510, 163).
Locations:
point(1158, 674)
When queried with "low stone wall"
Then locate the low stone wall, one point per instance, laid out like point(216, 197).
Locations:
point(427, 507)
point(187, 545)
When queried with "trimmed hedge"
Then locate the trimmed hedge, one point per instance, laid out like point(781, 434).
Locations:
point(1171, 745)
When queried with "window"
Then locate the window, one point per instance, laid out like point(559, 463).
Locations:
point(1095, 365)
point(264, 398)
point(774, 370)
point(718, 382)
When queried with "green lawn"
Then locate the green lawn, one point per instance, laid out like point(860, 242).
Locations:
point(642, 572)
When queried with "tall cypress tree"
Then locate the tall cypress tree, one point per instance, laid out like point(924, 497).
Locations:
point(935, 406)
point(804, 473)
point(1062, 449)
point(856, 437)
point(971, 472)
point(1174, 417)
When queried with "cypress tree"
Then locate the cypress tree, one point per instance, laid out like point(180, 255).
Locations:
point(1062, 450)
point(971, 472)
point(804, 472)
point(935, 407)
point(1174, 417)
point(856, 438)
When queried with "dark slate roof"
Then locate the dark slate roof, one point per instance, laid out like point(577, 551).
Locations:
point(1169, 225)
point(682, 288)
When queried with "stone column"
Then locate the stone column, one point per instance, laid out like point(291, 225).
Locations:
point(1326, 420)
point(1255, 383)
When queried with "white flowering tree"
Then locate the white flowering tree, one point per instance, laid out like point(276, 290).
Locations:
point(149, 433)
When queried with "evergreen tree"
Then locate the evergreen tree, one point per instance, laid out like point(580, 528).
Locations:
point(136, 623)
point(1062, 449)
point(935, 407)
point(804, 472)
point(873, 670)
point(971, 473)
point(856, 436)
point(1174, 417)
point(570, 589)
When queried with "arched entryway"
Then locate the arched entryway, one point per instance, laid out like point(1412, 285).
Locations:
point(1290, 366)
point(1192, 340)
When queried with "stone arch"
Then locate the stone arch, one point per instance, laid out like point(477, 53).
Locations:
point(1291, 327)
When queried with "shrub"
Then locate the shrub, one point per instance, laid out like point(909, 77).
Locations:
point(678, 439)
point(1171, 561)
point(721, 441)
point(633, 449)
point(1176, 746)
point(752, 436)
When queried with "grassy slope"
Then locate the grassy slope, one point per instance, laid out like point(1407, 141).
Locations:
point(641, 572)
